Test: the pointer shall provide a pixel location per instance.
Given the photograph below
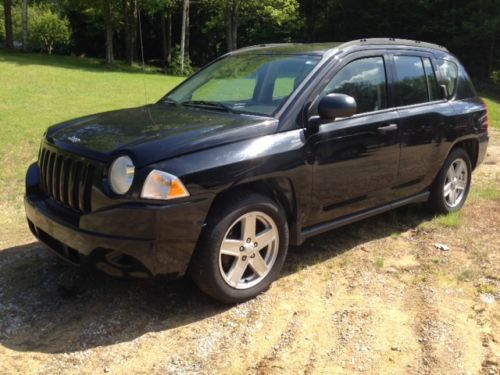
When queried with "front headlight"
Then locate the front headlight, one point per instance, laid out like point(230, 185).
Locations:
point(121, 174)
point(162, 185)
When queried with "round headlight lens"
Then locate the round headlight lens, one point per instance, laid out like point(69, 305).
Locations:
point(121, 174)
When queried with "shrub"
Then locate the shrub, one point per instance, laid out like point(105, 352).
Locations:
point(48, 30)
point(175, 65)
point(495, 77)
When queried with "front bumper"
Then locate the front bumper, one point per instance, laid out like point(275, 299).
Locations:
point(137, 240)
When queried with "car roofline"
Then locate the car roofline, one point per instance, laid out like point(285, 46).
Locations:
point(324, 48)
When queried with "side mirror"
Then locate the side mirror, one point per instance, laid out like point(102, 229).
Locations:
point(332, 106)
point(336, 105)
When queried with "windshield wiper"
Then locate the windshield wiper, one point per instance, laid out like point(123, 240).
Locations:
point(208, 104)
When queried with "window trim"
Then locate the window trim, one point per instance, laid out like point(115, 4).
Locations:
point(336, 67)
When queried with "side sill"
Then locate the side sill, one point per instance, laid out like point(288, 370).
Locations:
point(325, 227)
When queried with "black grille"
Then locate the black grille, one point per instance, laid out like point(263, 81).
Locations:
point(66, 179)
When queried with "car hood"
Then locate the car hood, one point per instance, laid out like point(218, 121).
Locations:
point(155, 132)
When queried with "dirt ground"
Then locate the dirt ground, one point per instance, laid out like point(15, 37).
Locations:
point(374, 297)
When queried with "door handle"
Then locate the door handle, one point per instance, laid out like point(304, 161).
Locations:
point(388, 128)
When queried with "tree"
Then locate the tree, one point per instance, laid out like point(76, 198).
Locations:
point(48, 30)
point(231, 13)
point(163, 9)
point(9, 33)
point(185, 25)
point(24, 18)
point(108, 22)
point(129, 8)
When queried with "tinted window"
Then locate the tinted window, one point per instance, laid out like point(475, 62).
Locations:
point(465, 88)
point(431, 79)
point(448, 72)
point(365, 81)
point(412, 80)
point(248, 83)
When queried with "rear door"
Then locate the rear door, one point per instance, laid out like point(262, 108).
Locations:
point(356, 158)
point(424, 118)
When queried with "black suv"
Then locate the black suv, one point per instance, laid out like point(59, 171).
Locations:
point(264, 147)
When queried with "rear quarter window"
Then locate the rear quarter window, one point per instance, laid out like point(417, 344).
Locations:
point(448, 75)
point(465, 89)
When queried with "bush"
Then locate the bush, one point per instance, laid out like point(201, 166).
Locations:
point(174, 67)
point(495, 77)
point(48, 30)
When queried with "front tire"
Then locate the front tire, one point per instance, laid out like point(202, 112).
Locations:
point(242, 249)
point(452, 184)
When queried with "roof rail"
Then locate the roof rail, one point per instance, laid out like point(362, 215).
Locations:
point(405, 42)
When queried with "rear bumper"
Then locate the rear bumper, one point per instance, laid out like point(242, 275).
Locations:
point(135, 240)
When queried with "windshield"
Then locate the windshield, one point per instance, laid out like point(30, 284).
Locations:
point(248, 83)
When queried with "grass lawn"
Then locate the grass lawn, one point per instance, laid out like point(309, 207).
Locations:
point(39, 90)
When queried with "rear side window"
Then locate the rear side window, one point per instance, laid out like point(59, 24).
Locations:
point(431, 79)
point(448, 72)
point(365, 81)
point(412, 80)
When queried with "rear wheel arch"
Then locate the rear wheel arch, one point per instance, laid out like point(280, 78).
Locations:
point(471, 146)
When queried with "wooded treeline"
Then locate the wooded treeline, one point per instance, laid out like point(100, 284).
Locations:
point(180, 33)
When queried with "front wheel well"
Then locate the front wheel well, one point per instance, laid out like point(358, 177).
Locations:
point(280, 190)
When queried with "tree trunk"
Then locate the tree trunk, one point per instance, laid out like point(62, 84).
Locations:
point(163, 35)
point(130, 29)
point(9, 35)
point(25, 25)
point(232, 12)
point(126, 31)
point(109, 32)
point(133, 31)
point(229, 31)
point(185, 10)
point(169, 37)
point(186, 40)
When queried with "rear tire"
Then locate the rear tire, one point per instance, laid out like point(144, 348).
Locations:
point(242, 249)
point(452, 185)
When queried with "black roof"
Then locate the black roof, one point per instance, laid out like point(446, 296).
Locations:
point(321, 48)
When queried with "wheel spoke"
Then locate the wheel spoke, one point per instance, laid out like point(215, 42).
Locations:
point(237, 271)
point(231, 247)
point(248, 226)
point(460, 169)
point(258, 264)
point(461, 185)
point(447, 189)
point(265, 238)
point(452, 196)
point(451, 173)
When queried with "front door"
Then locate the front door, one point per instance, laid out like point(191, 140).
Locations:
point(356, 158)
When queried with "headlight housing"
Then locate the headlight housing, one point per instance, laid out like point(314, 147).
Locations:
point(121, 174)
point(163, 185)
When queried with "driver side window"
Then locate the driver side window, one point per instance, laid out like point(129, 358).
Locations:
point(365, 81)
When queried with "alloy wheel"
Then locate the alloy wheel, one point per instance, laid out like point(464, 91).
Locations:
point(455, 183)
point(249, 250)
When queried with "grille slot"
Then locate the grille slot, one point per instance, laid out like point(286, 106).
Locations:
point(66, 179)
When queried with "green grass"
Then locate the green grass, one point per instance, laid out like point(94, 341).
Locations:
point(451, 220)
point(491, 95)
point(39, 90)
point(491, 192)
point(379, 262)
